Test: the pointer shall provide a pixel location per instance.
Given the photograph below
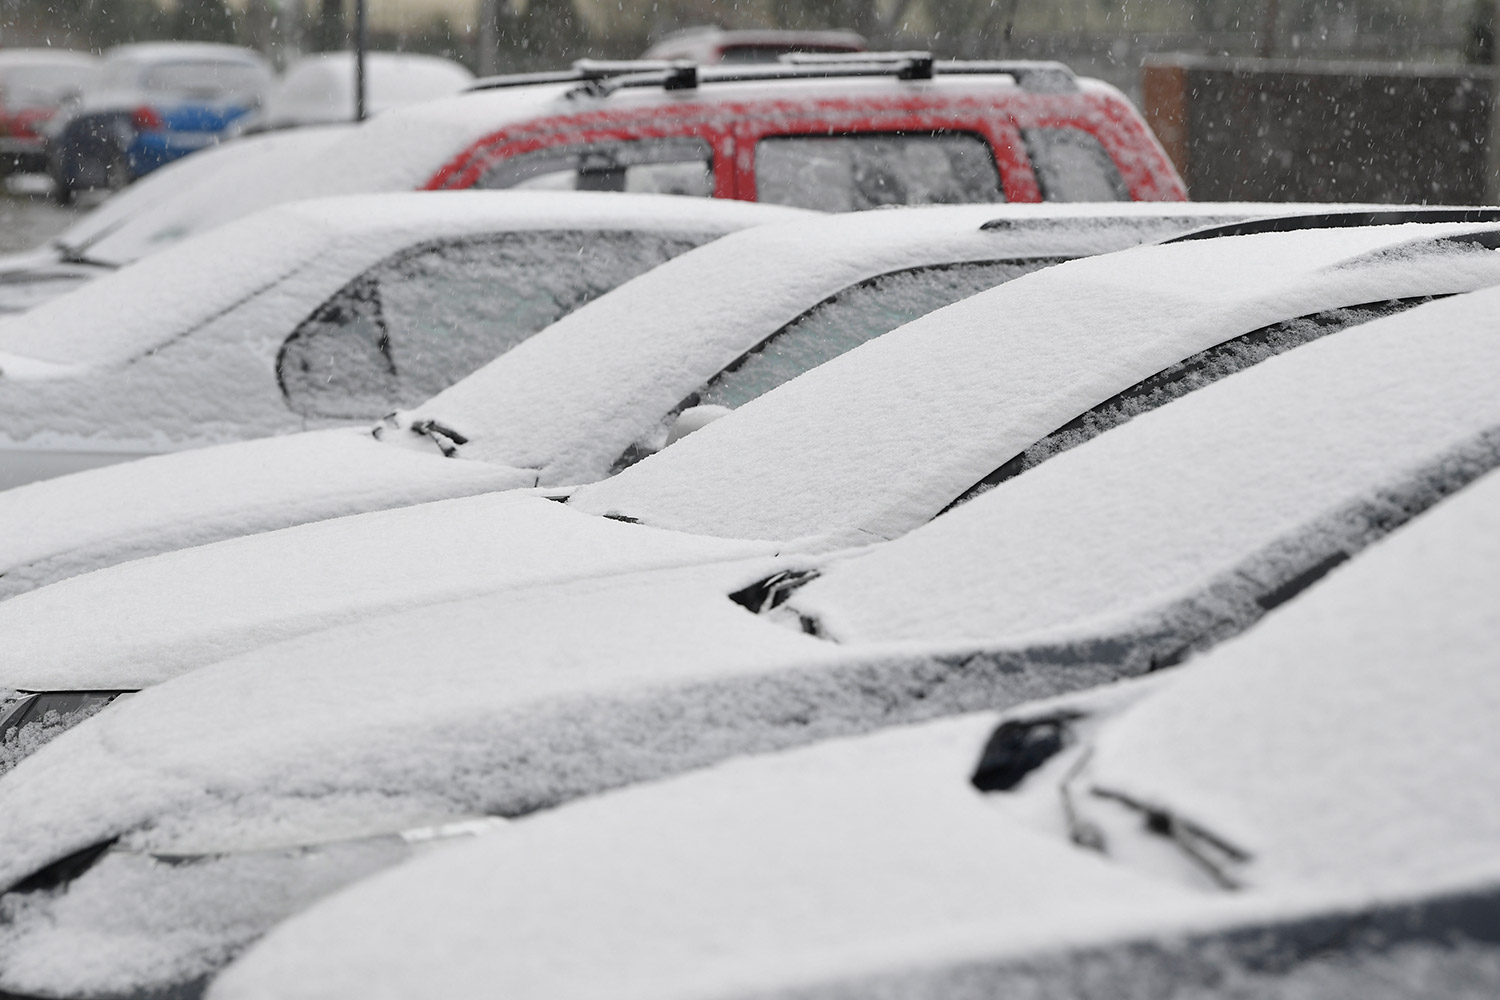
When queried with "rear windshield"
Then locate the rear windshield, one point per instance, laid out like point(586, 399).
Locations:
point(203, 78)
point(426, 317)
point(40, 86)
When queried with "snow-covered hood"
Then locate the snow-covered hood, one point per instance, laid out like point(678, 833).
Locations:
point(137, 624)
point(73, 524)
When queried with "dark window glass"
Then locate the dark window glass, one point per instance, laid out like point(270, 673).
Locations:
point(1175, 381)
point(426, 317)
point(644, 166)
point(1071, 165)
point(850, 172)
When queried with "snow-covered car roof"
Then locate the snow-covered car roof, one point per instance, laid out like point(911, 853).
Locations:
point(511, 703)
point(983, 379)
point(121, 316)
point(961, 405)
point(1347, 745)
point(319, 88)
point(564, 410)
point(226, 338)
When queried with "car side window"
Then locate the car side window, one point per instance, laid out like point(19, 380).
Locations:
point(850, 172)
point(1072, 165)
point(1187, 375)
point(681, 165)
point(423, 318)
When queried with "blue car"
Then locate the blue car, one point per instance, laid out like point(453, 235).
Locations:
point(152, 104)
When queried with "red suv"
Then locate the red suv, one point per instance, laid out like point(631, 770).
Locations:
point(834, 133)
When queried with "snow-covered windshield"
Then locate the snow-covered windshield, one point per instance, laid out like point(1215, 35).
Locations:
point(426, 317)
point(859, 313)
point(39, 86)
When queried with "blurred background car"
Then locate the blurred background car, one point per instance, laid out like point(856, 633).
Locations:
point(709, 44)
point(319, 89)
point(34, 85)
point(151, 104)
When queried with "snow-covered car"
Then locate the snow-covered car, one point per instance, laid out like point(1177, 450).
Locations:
point(865, 447)
point(73, 257)
point(319, 89)
point(1303, 812)
point(34, 85)
point(623, 368)
point(150, 104)
point(319, 313)
point(822, 137)
point(235, 793)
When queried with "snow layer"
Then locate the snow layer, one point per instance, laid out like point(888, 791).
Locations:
point(168, 370)
point(874, 442)
point(1348, 742)
point(62, 527)
point(320, 88)
point(129, 217)
point(663, 342)
point(854, 856)
point(1148, 512)
point(138, 624)
point(1351, 739)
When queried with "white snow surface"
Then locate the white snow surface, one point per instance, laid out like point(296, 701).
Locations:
point(1351, 738)
point(137, 624)
point(878, 440)
point(128, 219)
point(667, 332)
point(319, 88)
point(61, 527)
point(1147, 512)
point(1348, 741)
point(853, 857)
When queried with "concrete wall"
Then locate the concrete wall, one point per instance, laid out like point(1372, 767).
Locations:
point(1268, 130)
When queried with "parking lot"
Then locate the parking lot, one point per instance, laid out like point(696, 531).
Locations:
point(770, 519)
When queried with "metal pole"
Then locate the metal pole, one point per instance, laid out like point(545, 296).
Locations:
point(359, 60)
point(1268, 38)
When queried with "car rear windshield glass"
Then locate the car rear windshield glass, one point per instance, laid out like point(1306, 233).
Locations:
point(39, 86)
point(418, 322)
point(1072, 165)
point(1175, 381)
point(859, 313)
point(645, 166)
point(202, 78)
point(846, 173)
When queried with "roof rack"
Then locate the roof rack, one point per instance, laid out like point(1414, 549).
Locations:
point(1341, 220)
point(601, 78)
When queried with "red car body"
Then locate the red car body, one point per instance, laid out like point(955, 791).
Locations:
point(733, 118)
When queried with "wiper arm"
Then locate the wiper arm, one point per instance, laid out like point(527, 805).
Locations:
point(446, 438)
point(75, 255)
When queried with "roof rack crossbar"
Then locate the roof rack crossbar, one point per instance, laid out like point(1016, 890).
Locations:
point(599, 78)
